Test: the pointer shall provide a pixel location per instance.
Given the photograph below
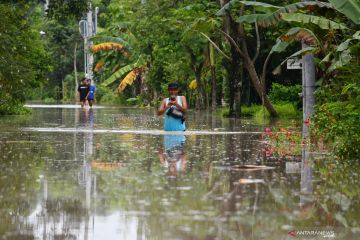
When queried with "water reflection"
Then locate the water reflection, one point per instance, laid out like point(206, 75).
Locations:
point(173, 157)
point(84, 185)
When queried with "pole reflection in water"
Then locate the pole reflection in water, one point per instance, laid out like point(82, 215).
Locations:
point(173, 157)
point(306, 178)
point(86, 178)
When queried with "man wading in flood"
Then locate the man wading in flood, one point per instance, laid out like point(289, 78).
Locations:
point(174, 108)
point(83, 90)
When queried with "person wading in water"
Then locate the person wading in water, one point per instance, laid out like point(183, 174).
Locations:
point(174, 108)
point(83, 90)
point(91, 94)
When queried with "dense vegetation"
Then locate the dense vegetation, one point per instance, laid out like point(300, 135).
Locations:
point(221, 52)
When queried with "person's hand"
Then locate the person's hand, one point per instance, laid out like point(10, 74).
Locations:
point(171, 103)
point(176, 104)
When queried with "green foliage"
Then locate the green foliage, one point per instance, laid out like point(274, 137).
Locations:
point(338, 110)
point(120, 73)
point(108, 96)
point(49, 100)
point(247, 111)
point(281, 93)
point(285, 110)
point(11, 107)
point(23, 59)
point(321, 22)
point(273, 18)
point(63, 9)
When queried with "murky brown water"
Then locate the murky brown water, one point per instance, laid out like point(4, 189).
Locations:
point(123, 185)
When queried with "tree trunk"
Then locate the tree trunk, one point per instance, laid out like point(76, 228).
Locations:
point(75, 71)
point(200, 97)
point(238, 89)
point(213, 78)
point(254, 76)
point(260, 89)
point(234, 81)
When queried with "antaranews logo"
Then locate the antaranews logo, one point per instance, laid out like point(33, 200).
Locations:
point(327, 234)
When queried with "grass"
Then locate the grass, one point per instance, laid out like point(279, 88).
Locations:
point(259, 113)
point(285, 110)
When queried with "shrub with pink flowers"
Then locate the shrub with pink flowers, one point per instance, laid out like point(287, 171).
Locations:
point(282, 143)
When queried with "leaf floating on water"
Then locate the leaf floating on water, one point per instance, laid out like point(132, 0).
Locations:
point(249, 181)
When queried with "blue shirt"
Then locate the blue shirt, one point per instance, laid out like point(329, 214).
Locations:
point(92, 90)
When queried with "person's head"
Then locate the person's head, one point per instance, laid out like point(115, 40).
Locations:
point(83, 80)
point(173, 89)
point(88, 81)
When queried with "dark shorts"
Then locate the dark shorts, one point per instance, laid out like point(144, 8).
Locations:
point(82, 99)
point(90, 99)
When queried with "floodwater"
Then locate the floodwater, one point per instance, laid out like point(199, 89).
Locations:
point(111, 173)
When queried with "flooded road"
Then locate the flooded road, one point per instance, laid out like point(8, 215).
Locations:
point(111, 173)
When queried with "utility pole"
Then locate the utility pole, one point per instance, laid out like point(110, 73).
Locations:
point(88, 29)
point(308, 88)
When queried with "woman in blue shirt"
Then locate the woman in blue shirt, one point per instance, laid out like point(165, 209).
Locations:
point(174, 108)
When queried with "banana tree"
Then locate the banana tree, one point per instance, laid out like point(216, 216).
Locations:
point(118, 56)
point(312, 30)
point(298, 13)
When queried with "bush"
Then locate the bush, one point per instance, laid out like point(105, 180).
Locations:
point(49, 100)
point(9, 106)
point(111, 98)
point(337, 122)
point(338, 110)
point(280, 93)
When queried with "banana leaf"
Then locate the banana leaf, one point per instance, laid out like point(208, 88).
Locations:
point(273, 18)
point(122, 71)
point(322, 22)
point(350, 8)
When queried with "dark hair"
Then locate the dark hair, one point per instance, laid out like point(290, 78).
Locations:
point(173, 86)
point(83, 79)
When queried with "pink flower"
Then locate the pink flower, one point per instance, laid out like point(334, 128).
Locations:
point(267, 153)
point(307, 121)
point(268, 130)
